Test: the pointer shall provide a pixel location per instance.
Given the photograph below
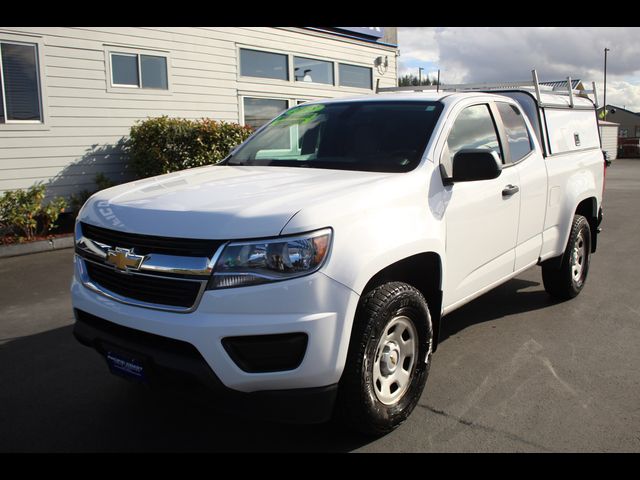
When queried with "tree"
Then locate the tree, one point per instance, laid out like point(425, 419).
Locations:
point(411, 80)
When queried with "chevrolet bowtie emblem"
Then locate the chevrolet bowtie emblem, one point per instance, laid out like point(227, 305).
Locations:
point(123, 259)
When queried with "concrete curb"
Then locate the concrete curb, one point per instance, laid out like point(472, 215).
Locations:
point(35, 247)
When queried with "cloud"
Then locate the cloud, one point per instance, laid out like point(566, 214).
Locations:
point(483, 54)
point(418, 43)
point(622, 94)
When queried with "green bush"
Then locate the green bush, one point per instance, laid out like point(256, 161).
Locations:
point(24, 214)
point(102, 181)
point(77, 200)
point(162, 145)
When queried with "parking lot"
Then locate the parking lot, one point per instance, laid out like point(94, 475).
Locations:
point(515, 371)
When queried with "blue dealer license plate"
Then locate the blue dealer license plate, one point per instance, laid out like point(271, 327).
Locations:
point(126, 366)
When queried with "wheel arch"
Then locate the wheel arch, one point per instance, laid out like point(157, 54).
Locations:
point(422, 271)
point(588, 208)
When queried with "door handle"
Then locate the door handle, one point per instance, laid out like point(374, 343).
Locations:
point(510, 190)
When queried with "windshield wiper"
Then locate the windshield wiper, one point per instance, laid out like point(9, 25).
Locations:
point(227, 161)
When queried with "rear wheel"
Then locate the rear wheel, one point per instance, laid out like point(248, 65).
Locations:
point(568, 281)
point(388, 360)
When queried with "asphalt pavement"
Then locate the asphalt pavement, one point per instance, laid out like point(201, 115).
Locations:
point(516, 371)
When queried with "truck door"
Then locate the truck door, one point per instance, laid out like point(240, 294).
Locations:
point(525, 155)
point(481, 217)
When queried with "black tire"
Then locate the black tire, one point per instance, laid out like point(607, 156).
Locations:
point(358, 405)
point(568, 280)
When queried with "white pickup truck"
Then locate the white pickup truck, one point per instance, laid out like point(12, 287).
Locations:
point(307, 275)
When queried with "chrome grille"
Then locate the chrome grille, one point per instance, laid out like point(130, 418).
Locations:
point(150, 289)
point(144, 244)
point(172, 274)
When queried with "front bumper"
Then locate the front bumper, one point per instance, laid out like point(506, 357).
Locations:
point(167, 360)
point(315, 305)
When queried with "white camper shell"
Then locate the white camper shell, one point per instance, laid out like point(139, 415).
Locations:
point(562, 120)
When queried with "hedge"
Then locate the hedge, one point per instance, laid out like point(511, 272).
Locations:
point(162, 145)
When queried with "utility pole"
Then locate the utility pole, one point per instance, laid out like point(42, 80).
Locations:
point(605, 83)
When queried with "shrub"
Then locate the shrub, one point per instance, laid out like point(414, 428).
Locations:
point(23, 213)
point(102, 181)
point(77, 200)
point(49, 214)
point(162, 145)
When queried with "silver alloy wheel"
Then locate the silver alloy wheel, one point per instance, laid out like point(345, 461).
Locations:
point(579, 257)
point(395, 360)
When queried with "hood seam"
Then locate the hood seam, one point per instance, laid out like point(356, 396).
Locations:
point(285, 225)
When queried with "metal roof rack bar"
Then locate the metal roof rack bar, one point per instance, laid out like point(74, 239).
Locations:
point(570, 91)
point(536, 84)
point(466, 87)
point(456, 87)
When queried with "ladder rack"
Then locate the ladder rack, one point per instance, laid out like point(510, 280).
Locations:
point(480, 87)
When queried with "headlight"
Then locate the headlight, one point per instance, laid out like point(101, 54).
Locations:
point(261, 261)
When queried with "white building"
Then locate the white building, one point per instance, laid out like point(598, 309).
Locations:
point(70, 95)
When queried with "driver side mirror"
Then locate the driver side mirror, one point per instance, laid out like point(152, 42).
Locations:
point(474, 164)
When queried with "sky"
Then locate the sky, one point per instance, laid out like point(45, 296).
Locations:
point(491, 54)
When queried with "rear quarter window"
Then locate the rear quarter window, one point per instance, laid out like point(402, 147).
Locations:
point(518, 137)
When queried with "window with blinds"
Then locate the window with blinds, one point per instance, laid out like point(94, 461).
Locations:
point(19, 83)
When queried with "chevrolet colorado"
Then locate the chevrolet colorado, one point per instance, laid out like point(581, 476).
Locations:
point(309, 272)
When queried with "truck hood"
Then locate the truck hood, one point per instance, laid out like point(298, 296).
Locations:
point(220, 202)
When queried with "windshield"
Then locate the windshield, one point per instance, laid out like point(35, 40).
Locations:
point(371, 136)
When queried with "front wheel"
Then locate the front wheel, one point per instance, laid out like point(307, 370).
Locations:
point(388, 360)
point(568, 281)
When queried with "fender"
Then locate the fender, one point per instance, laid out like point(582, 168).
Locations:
point(568, 187)
point(573, 199)
point(397, 222)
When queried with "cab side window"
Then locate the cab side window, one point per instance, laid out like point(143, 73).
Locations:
point(472, 129)
point(517, 134)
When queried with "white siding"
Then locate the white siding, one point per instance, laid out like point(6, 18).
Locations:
point(609, 137)
point(85, 118)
